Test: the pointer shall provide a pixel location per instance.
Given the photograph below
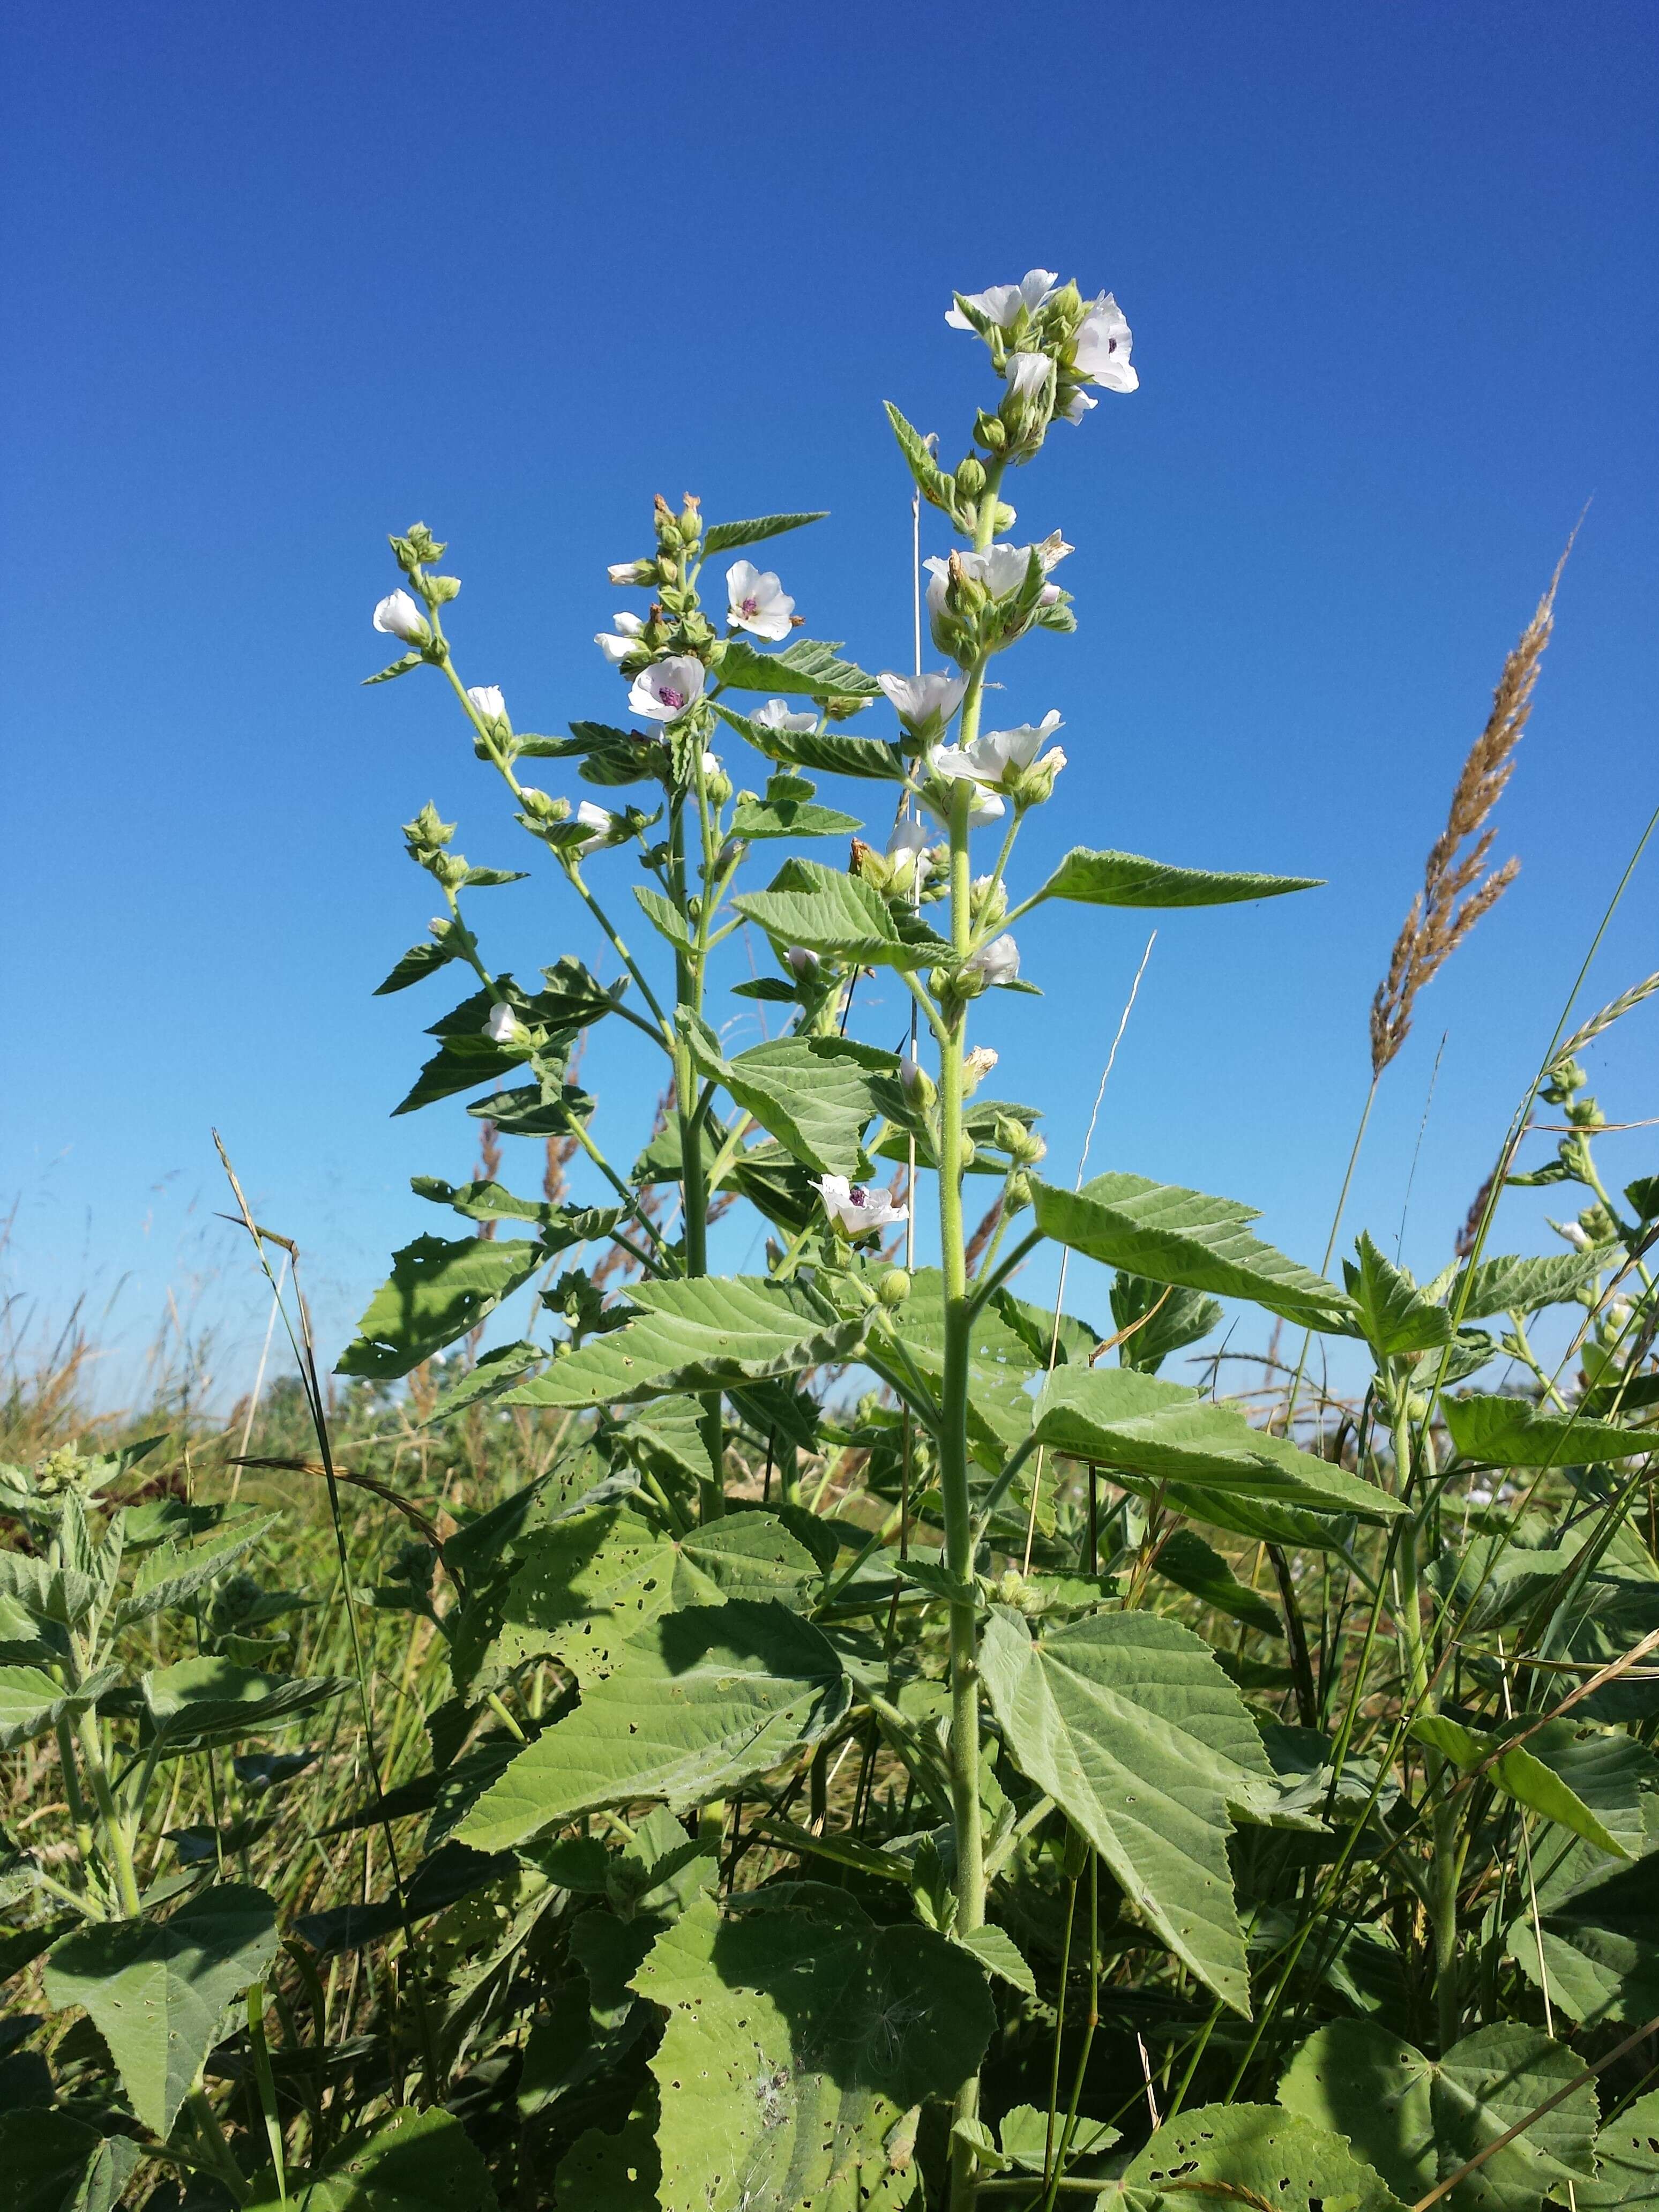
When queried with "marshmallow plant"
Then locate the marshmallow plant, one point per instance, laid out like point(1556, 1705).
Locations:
point(735, 1575)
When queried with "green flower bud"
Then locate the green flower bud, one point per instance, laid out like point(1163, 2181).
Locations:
point(894, 1287)
point(1016, 1192)
point(541, 806)
point(990, 432)
point(970, 476)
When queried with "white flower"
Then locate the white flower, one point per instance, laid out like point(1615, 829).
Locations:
point(486, 698)
point(909, 841)
point(398, 617)
point(711, 764)
point(856, 1209)
point(802, 963)
point(924, 703)
point(503, 1025)
point(758, 602)
point(952, 764)
point(1078, 406)
point(664, 691)
point(1000, 568)
point(1002, 302)
point(1576, 1234)
point(997, 962)
point(1101, 350)
point(976, 1065)
point(994, 752)
point(616, 644)
point(1028, 375)
point(777, 714)
point(625, 572)
point(596, 819)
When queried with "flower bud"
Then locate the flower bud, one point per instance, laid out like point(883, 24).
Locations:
point(503, 1026)
point(729, 853)
point(894, 1287)
point(988, 901)
point(633, 572)
point(398, 617)
point(541, 806)
point(969, 1149)
point(1016, 1192)
point(990, 432)
point(450, 869)
point(917, 1085)
point(802, 963)
point(970, 476)
point(976, 1066)
point(488, 703)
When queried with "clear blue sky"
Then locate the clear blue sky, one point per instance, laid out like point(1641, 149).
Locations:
point(282, 280)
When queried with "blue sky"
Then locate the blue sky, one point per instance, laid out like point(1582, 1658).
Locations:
point(282, 281)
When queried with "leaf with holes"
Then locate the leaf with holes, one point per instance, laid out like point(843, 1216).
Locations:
point(797, 2032)
point(703, 1334)
point(1627, 2162)
point(438, 1290)
point(696, 1703)
point(1418, 2119)
point(1254, 2155)
point(1127, 1721)
point(157, 1990)
point(1176, 1235)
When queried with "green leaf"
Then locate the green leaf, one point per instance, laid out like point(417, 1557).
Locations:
point(787, 811)
point(934, 485)
point(619, 2172)
point(812, 1093)
point(807, 668)
point(703, 1334)
point(797, 2032)
point(1125, 879)
point(157, 1990)
point(664, 1437)
point(1395, 1317)
point(1519, 1775)
point(438, 1290)
point(1172, 1320)
point(169, 1576)
point(1255, 2155)
point(32, 1703)
point(211, 1700)
point(1627, 2162)
point(420, 961)
point(829, 913)
point(411, 2161)
point(824, 750)
point(401, 666)
point(1183, 1237)
point(1496, 1431)
point(725, 537)
point(1024, 2136)
point(1524, 1287)
point(50, 2162)
point(1185, 1559)
point(698, 1703)
point(1141, 1426)
point(666, 918)
point(1000, 1365)
point(999, 1955)
point(1127, 1721)
point(1418, 2119)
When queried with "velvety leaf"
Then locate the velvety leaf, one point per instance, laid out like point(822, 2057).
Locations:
point(32, 1703)
point(828, 913)
point(1255, 2155)
point(701, 1334)
point(1125, 879)
point(157, 1990)
point(932, 482)
point(812, 1093)
point(824, 750)
point(411, 2161)
point(666, 918)
point(1161, 1319)
point(1185, 1559)
point(1495, 1431)
point(725, 536)
point(997, 1953)
point(1518, 1774)
point(1417, 2119)
point(843, 2024)
point(438, 1290)
point(1525, 1286)
point(1001, 1365)
point(1024, 2137)
point(169, 1576)
point(618, 2172)
point(1177, 1235)
point(1139, 1425)
point(1394, 1313)
point(212, 1700)
point(1129, 1724)
point(698, 1703)
point(1627, 2161)
point(788, 810)
point(808, 668)
point(420, 961)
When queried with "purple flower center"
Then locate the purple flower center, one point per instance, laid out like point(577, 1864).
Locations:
point(671, 697)
point(749, 606)
point(858, 1195)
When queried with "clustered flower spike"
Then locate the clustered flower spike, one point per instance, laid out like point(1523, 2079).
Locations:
point(1048, 344)
point(856, 1210)
point(758, 602)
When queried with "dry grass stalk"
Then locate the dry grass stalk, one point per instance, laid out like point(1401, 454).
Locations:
point(1456, 888)
point(1614, 1011)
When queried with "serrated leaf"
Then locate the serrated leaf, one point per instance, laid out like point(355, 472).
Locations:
point(1127, 1721)
point(401, 666)
point(1125, 879)
point(1395, 1317)
point(1141, 1426)
point(1416, 2120)
point(1024, 2135)
point(32, 1703)
point(1184, 1236)
point(828, 913)
point(420, 961)
point(50, 2162)
point(665, 1436)
point(664, 918)
point(703, 1334)
point(1525, 1286)
point(411, 2161)
point(808, 669)
point(211, 1700)
point(824, 750)
point(438, 1290)
point(1497, 1432)
point(169, 1576)
point(1160, 1318)
point(157, 1990)
point(1518, 1774)
point(1255, 2155)
point(997, 1953)
point(931, 481)
point(812, 1093)
point(1627, 2161)
point(698, 1703)
point(1185, 1559)
point(842, 2026)
point(494, 1373)
point(788, 810)
point(725, 536)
